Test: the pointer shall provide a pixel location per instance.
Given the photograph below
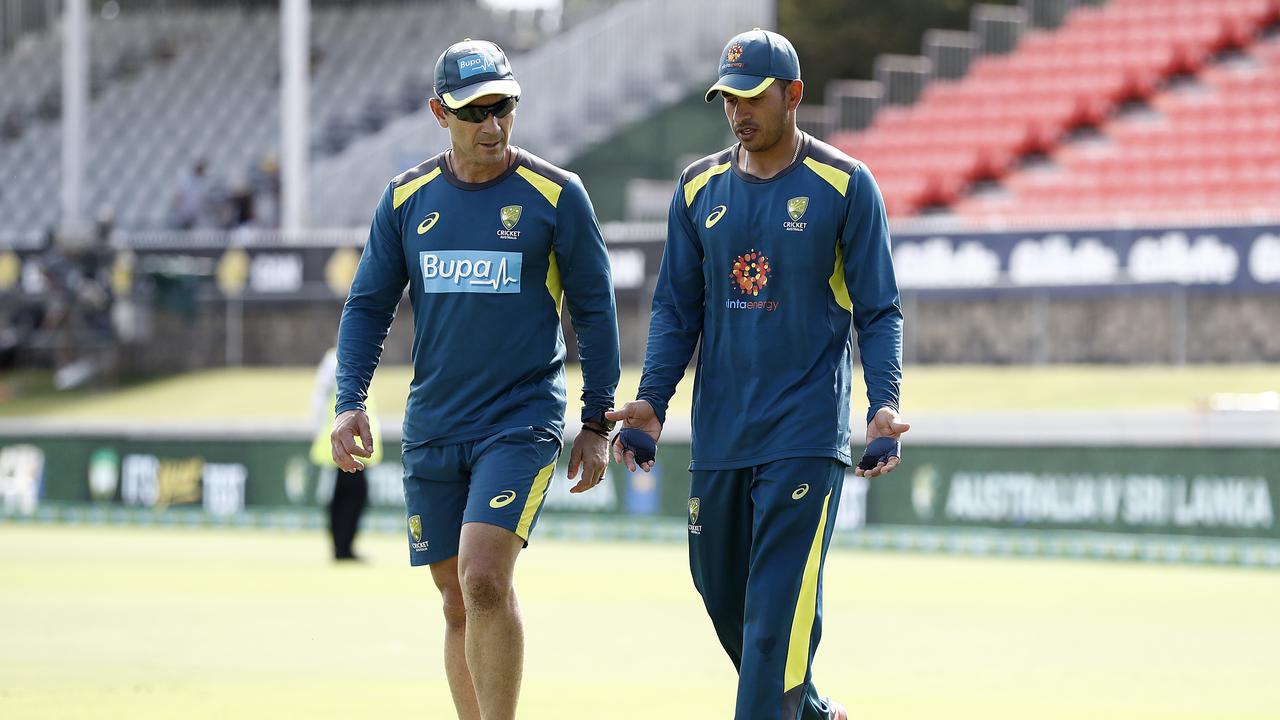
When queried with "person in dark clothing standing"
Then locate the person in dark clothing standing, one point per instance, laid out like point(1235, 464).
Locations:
point(350, 489)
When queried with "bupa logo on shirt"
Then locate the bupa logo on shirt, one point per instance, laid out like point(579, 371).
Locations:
point(475, 64)
point(470, 271)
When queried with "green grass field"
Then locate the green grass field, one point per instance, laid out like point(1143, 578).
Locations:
point(150, 623)
point(285, 393)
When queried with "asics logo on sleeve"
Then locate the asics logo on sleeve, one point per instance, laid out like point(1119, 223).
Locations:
point(502, 499)
point(716, 213)
point(470, 271)
point(427, 223)
point(800, 492)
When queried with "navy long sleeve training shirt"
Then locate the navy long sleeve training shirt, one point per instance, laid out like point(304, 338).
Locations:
point(487, 265)
point(770, 275)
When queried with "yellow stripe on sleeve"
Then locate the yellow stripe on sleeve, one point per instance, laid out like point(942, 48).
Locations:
point(537, 494)
point(838, 287)
point(554, 285)
point(700, 180)
point(806, 609)
point(838, 178)
point(549, 190)
point(405, 191)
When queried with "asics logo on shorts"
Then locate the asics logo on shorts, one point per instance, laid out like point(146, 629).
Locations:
point(502, 499)
point(716, 213)
point(800, 492)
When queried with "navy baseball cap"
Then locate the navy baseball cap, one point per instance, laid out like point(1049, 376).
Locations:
point(472, 69)
point(752, 61)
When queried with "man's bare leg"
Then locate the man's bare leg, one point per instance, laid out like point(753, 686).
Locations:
point(445, 574)
point(494, 634)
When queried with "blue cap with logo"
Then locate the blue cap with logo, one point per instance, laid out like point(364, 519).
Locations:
point(752, 61)
point(472, 69)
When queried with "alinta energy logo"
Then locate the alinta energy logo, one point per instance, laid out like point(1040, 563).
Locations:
point(510, 215)
point(750, 275)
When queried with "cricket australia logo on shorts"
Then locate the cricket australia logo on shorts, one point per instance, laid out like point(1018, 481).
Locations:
point(695, 507)
point(415, 534)
point(470, 271)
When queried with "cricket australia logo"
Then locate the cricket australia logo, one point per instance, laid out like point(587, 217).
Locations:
point(695, 505)
point(795, 209)
point(510, 215)
point(415, 533)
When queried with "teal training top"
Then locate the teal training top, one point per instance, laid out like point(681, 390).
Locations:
point(486, 265)
point(769, 275)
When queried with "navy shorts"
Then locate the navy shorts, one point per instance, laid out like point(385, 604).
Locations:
point(499, 480)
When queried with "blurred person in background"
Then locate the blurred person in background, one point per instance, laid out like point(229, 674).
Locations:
point(189, 202)
point(265, 181)
point(775, 246)
point(489, 239)
point(350, 489)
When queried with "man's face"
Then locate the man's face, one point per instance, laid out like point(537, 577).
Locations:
point(480, 143)
point(758, 122)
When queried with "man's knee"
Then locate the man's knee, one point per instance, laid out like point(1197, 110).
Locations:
point(485, 591)
point(455, 609)
point(445, 575)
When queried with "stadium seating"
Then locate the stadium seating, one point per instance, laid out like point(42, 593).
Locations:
point(205, 86)
point(977, 128)
point(1208, 148)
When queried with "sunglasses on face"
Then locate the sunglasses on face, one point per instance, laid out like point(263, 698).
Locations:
point(478, 113)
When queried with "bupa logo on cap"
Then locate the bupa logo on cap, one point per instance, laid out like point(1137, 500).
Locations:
point(475, 64)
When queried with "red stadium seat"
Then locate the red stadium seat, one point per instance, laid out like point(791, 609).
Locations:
point(977, 127)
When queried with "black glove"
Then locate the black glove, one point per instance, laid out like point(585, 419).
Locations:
point(639, 443)
point(879, 451)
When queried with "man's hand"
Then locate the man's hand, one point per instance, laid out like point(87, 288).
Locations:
point(886, 423)
point(591, 453)
point(347, 427)
point(636, 414)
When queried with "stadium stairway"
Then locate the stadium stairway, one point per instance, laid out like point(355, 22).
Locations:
point(1026, 102)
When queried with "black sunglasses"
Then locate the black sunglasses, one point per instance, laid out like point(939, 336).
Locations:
point(478, 113)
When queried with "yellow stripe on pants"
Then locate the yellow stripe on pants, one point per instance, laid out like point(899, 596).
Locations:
point(531, 504)
point(806, 609)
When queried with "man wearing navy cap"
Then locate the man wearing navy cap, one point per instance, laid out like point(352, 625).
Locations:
point(775, 246)
point(489, 240)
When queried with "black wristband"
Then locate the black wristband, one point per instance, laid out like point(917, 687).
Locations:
point(592, 427)
point(599, 423)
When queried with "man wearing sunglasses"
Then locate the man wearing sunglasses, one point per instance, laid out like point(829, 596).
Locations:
point(489, 239)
